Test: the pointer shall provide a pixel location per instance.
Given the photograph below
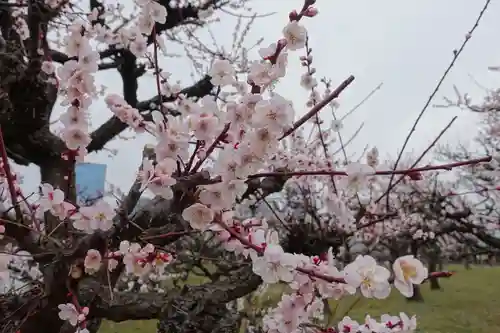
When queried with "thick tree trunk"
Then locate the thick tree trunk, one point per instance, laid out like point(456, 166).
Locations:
point(434, 282)
point(491, 260)
point(60, 174)
point(467, 263)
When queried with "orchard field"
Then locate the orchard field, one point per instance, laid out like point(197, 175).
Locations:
point(468, 302)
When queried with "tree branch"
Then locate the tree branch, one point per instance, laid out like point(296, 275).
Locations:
point(178, 308)
point(114, 126)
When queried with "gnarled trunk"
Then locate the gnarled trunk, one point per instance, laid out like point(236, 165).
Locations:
point(434, 282)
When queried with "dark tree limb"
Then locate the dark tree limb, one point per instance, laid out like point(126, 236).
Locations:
point(265, 186)
point(176, 307)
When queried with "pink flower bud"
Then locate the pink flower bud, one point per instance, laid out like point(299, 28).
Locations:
point(311, 12)
point(282, 43)
point(293, 16)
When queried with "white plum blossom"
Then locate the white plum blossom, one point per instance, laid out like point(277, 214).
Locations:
point(408, 271)
point(157, 11)
point(51, 198)
point(372, 279)
point(348, 325)
point(295, 36)
point(75, 137)
point(307, 81)
point(276, 114)
point(222, 73)
point(92, 262)
point(204, 126)
point(134, 262)
point(69, 313)
point(408, 324)
point(158, 179)
point(217, 196)
point(198, 216)
point(260, 73)
point(96, 217)
point(188, 107)
point(275, 265)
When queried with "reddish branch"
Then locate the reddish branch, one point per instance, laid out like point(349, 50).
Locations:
point(456, 54)
point(448, 166)
point(319, 106)
point(212, 147)
point(313, 274)
point(8, 175)
point(296, 125)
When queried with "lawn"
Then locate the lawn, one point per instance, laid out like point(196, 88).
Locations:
point(468, 303)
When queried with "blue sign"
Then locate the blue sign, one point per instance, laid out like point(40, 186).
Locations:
point(90, 181)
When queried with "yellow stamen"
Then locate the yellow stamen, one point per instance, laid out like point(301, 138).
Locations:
point(409, 271)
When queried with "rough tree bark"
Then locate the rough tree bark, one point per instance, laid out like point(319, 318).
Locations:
point(434, 282)
point(435, 263)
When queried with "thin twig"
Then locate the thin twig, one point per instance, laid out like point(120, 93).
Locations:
point(447, 166)
point(433, 143)
point(456, 54)
point(10, 181)
point(319, 106)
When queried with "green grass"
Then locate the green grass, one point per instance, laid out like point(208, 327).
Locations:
point(468, 303)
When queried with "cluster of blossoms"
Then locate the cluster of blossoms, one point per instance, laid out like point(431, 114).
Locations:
point(139, 261)
point(125, 112)
point(17, 265)
point(76, 76)
point(88, 219)
point(387, 324)
point(314, 280)
point(78, 87)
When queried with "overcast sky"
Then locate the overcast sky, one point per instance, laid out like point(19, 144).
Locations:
point(407, 45)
